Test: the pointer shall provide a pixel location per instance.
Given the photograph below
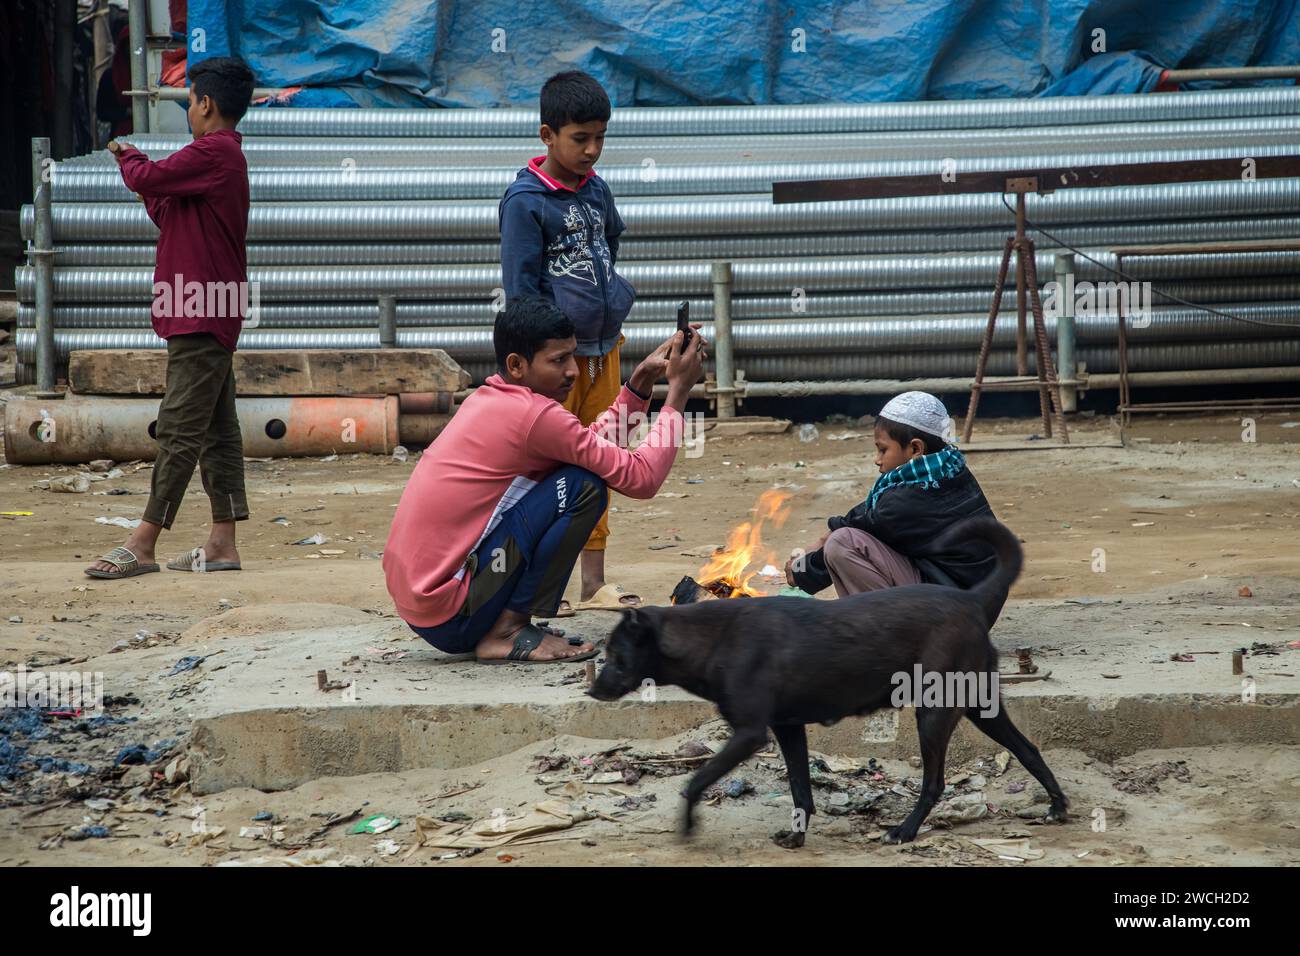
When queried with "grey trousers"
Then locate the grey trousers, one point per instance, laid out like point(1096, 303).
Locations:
point(859, 562)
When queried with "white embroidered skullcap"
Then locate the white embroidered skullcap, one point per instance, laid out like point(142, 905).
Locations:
point(921, 410)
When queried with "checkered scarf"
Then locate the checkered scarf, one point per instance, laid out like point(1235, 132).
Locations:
point(928, 471)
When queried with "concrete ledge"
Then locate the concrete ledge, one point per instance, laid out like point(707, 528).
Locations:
point(281, 748)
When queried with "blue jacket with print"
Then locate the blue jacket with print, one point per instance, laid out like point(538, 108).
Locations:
point(562, 245)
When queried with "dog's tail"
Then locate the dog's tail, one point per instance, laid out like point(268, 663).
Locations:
point(992, 591)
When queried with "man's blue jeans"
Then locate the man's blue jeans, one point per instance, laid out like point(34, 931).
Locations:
point(525, 563)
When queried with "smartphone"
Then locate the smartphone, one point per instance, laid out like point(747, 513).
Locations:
point(684, 322)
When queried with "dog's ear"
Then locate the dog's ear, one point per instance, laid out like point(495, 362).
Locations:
point(636, 624)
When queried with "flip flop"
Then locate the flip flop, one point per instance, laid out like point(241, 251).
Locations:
point(128, 565)
point(185, 562)
point(527, 640)
point(608, 599)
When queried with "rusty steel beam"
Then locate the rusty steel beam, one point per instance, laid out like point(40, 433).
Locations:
point(1048, 180)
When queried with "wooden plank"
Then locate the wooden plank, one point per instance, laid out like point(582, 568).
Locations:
point(277, 372)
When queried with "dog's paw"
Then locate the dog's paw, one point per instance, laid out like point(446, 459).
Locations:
point(789, 839)
point(687, 825)
point(897, 835)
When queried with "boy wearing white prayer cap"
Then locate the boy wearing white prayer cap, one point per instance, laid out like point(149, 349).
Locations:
point(890, 538)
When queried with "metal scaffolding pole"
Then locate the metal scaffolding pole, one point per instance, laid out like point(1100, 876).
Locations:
point(41, 254)
point(138, 24)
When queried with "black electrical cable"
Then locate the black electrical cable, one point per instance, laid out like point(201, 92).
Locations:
point(1166, 295)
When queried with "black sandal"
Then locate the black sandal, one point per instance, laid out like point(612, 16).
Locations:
point(527, 640)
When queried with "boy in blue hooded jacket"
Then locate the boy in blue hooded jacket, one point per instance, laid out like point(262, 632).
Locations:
point(559, 240)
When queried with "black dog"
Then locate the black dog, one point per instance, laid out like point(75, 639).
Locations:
point(783, 662)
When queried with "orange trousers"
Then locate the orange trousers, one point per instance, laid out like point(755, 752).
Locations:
point(599, 382)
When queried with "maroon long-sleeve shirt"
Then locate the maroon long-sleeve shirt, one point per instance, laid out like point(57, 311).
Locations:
point(198, 198)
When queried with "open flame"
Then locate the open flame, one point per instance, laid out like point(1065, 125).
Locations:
point(725, 574)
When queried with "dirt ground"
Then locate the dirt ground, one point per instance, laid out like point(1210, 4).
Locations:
point(1186, 502)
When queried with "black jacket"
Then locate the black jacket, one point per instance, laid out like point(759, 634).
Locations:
point(910, 519)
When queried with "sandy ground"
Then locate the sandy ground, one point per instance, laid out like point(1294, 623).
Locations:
point(1187, 506)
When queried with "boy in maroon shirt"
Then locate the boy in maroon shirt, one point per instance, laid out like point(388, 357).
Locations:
point(199, 200)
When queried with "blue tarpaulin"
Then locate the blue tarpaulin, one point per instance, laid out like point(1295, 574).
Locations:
point(485, 53)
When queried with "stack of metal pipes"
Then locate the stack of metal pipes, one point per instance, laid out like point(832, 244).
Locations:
point(353, 205)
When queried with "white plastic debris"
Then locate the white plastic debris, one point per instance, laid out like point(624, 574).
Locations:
point(119, 521)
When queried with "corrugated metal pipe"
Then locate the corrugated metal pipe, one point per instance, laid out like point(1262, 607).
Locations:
point(469, 219)
point(805, 118)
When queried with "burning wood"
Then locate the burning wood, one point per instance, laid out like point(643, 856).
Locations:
point(691, 591)
point(724, 576)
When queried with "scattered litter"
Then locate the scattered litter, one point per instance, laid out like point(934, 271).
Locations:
point(281, 520)
point(1245, 592)
point(807, 432)
point(334, 457)
point(185, 664)
point(317, 538)
point(134, 754)
point(1015, 850)
point(95, 832)
point(1016, 787)
point(101, 465)
point(262, 816)
point(99, 804)
point(771, 570)
point(328, 552)
point(119, 521)
point(1141, 524)
point(963, 808)
point(272, 834)
point(1148, 779)
point(499, 830)
point(387, 847)
point(376, 823)
point(1111, 676)
point(400, 453)
point(17, 514)
point(15, 619)
point(693, 748)
point(842, 436)
point(738, 788)
point(700, 481)
point(77, 484)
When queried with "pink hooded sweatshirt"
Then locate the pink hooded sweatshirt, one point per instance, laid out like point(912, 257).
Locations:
point(502, 440)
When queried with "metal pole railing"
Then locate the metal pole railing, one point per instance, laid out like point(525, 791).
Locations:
point(723, 351)
point(1065, 362)
point(41, 254)
point(387, 322)
point(138, 26)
